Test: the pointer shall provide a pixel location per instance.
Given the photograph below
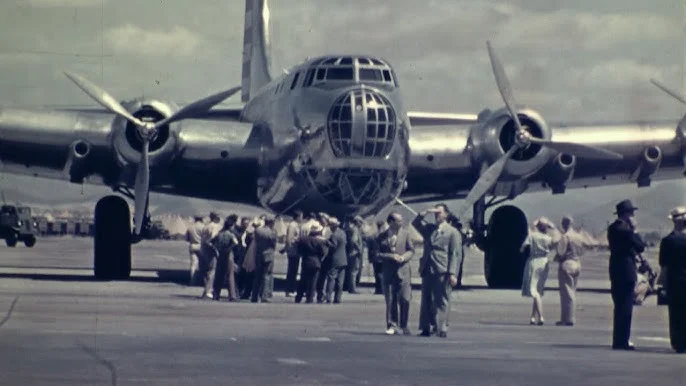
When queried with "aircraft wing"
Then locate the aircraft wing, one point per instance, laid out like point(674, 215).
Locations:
point(232, 113)
point(197, 158)
point(446, 162)
point(425, 118)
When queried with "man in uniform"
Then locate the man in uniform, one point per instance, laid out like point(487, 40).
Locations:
point(193, 236)
point(265, 248)
point(292, 237)
point(354, 252)
point(208, 260)
point(625, 244)
point(438, 268)
point(567, 256)
point(338, 261)
point(673, 267)
point(396, 250)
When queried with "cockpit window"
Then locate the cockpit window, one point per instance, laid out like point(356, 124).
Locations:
point(371, 74)
point(308, 78)
point(347, 68)
point(295, 80)
point(340, 73)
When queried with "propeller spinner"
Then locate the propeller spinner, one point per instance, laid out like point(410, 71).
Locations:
point(522, 139)
point(147, 131)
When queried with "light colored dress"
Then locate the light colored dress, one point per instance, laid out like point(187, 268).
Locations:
point(536, 268)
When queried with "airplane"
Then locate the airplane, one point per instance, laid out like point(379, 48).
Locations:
point(331, 134)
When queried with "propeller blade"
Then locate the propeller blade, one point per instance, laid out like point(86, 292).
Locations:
point(198, 107)
point(141, 188)
point(669, 91)
point(485, 182)
point(102, 97)
point(583, 151)
point(503, 85)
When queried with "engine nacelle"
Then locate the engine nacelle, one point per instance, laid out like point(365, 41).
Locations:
point(650, 162)
point(127, 142)
point(559, 172)
point(496, 135)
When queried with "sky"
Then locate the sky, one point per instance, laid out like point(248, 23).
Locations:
point(571, 60)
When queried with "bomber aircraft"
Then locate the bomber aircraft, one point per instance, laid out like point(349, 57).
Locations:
point(330, 134)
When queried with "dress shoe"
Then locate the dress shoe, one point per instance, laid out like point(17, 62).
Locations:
point(390, 331)
point(561, 323)
point(425, 333)
point(406, 331)
point(628, 347)
point(442, 334)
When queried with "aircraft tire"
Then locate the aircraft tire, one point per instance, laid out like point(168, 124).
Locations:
point(11, 240)
point(30, 241)
point(503, 262)
point(112, 241)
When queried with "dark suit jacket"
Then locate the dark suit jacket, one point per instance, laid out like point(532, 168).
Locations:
point(337, 243)
point(265, 244)
point(625, 244)
point(403, 246)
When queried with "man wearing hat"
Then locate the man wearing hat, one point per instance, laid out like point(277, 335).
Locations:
point(567, 255)
point(338, 261)
point(265, 246)
point(312, 247)
point(673, 267)
point(625, 244)
point(193, 236)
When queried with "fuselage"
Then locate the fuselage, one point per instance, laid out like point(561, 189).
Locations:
point(337, 136)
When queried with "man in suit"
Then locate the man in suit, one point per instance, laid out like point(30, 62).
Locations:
point(293, 233)
point(438, 268)
point(265, 248)
point(338, 261)
point(625, 244)
point(396, 251)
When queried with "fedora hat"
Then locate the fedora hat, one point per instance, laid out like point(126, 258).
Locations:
point(624, 207)
point(677, 213)
point(316, 228)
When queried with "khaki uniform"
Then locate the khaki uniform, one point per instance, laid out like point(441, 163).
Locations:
point(568, 252)
point(193, 236)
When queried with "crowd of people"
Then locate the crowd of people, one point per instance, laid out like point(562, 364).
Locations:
point(328, 254)
point(630, 274)
point(238, 254)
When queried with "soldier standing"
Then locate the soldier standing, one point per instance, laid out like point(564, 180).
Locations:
point(396, 250)
point(338, 261)
point(354, 251)
point(265, 248)
point(625, 244)
point(568, 253)
point(438, 268)
point(313, 249)
point(193, 236)
point(225, 243)
point(673, 264)
point(292, 237)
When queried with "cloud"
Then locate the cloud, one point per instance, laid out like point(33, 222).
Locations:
point(64, 3)
point(131, 39)
point(618, 73)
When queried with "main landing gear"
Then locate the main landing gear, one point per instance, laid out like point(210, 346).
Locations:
point(501, 240)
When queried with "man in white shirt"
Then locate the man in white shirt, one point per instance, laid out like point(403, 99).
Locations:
point(194, 238)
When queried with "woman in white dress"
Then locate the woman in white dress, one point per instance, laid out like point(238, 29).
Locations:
point(536, 268)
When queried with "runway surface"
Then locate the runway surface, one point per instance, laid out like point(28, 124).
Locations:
point(59, 327)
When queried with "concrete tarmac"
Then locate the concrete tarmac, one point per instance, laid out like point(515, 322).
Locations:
point(60, 327)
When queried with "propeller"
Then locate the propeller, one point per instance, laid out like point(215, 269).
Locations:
point(669, 91)
point(146, 131)
point(522, 140)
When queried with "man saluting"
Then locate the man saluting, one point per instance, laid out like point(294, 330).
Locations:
point(438, 268)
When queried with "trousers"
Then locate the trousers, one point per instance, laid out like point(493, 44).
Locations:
point(435, 303)
point(567, 276)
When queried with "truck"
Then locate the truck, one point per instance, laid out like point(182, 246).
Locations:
point(16, 224)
